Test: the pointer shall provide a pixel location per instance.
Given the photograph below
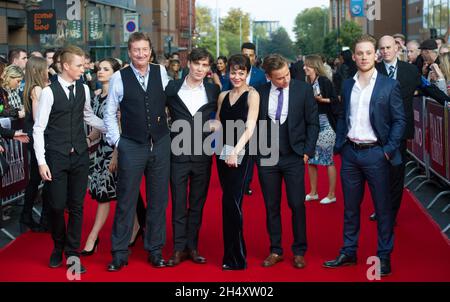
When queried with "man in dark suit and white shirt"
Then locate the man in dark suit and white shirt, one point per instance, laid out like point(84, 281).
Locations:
point(191, 102)
point(368, 137)
point(409, 78)
point(288, 106)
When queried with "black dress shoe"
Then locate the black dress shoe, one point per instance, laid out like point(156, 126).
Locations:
point(248, 191)
point(157, 261)
point(81, 268)
point(227, 267)
point(56, 259)
point(373, 217)
point(341, 260)
point(116, 266)
point(385, 267)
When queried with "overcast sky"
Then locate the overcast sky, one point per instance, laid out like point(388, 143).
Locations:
point(284, 11)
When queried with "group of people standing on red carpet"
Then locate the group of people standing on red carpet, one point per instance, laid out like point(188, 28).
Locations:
point(303, 122)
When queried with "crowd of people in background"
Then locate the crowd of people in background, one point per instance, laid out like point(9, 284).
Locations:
point(240, 87)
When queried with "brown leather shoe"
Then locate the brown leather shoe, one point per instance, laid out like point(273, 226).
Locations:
point(272, 259)
point(196, 258)
point(299, 262)
point(177, 258)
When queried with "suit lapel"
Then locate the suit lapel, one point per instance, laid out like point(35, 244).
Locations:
point(179, 100)
point(265, 93)
point(375, 94)
point(347, 99)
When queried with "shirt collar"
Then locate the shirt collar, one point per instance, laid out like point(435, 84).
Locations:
point(372, 79)
point(186, 86)
point(64, 82)
point(136, 72)
point(390, 64)
point(273, 87)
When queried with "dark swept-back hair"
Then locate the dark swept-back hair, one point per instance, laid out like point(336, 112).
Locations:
point(198, 54)
point(248, 45)
point(239, 62)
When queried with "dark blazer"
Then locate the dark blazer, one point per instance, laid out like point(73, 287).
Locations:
point(6, 133)
point(409, 78)
point(334, 108)
point(179, 111)
point(387, 116)
point(257, 77)
point(303, 119)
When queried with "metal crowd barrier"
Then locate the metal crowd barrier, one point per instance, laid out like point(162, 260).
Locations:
point(431, 146)
point(14, 182)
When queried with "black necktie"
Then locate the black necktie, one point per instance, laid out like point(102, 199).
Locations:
point(71, 94)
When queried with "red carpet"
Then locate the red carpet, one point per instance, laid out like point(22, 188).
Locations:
point(421, 252)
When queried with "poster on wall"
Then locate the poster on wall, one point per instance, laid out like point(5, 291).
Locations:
point(74, 31)
point(57, 40)
point(95, 25)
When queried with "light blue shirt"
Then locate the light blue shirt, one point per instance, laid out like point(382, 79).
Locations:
point(388, 65)
point(115, 96)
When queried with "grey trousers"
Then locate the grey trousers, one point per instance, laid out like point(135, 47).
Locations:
point(136, 159)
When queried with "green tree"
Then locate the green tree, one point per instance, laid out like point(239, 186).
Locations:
point(232, 21)
point(280, 43)
point(348, 33)
point(310, 29)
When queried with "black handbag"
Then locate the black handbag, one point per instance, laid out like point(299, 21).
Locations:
point(4, 166)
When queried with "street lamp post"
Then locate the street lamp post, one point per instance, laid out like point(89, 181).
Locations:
point(240, 30)
point(217, 30)
point(190, 26)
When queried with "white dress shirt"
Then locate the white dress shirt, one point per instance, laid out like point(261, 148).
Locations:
point(273, 103)
point(46, 101)
point(361, 130)
point(193, 97)
point(115, 96)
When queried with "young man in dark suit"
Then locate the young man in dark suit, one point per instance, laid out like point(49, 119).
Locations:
point(62, 152)
point(191, 102)
point(409, 78)
point(289, 109)
point(368, 137)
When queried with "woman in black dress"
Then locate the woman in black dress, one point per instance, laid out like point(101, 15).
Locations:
point(238, 107)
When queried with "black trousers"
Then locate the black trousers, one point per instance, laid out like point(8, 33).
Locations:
point(291, 168)
point(232, 181)
point(31, 192)
point(397, 181)
point(67, 190)
point(136, 160)
point(189, 182)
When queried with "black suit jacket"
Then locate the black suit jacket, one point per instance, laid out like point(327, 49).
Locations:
point(303, 118)
point(333, 109)
point(179, 111)
point(409, 78)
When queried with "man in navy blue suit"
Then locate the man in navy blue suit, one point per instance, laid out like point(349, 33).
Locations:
point(368, 137)
point(256, 77)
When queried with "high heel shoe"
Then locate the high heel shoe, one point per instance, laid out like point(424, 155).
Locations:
point(91, 252)
point(138, 234)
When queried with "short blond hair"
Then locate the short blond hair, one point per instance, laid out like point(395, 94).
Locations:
point(9, 73)
point(365, 38)
point(68, 52)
